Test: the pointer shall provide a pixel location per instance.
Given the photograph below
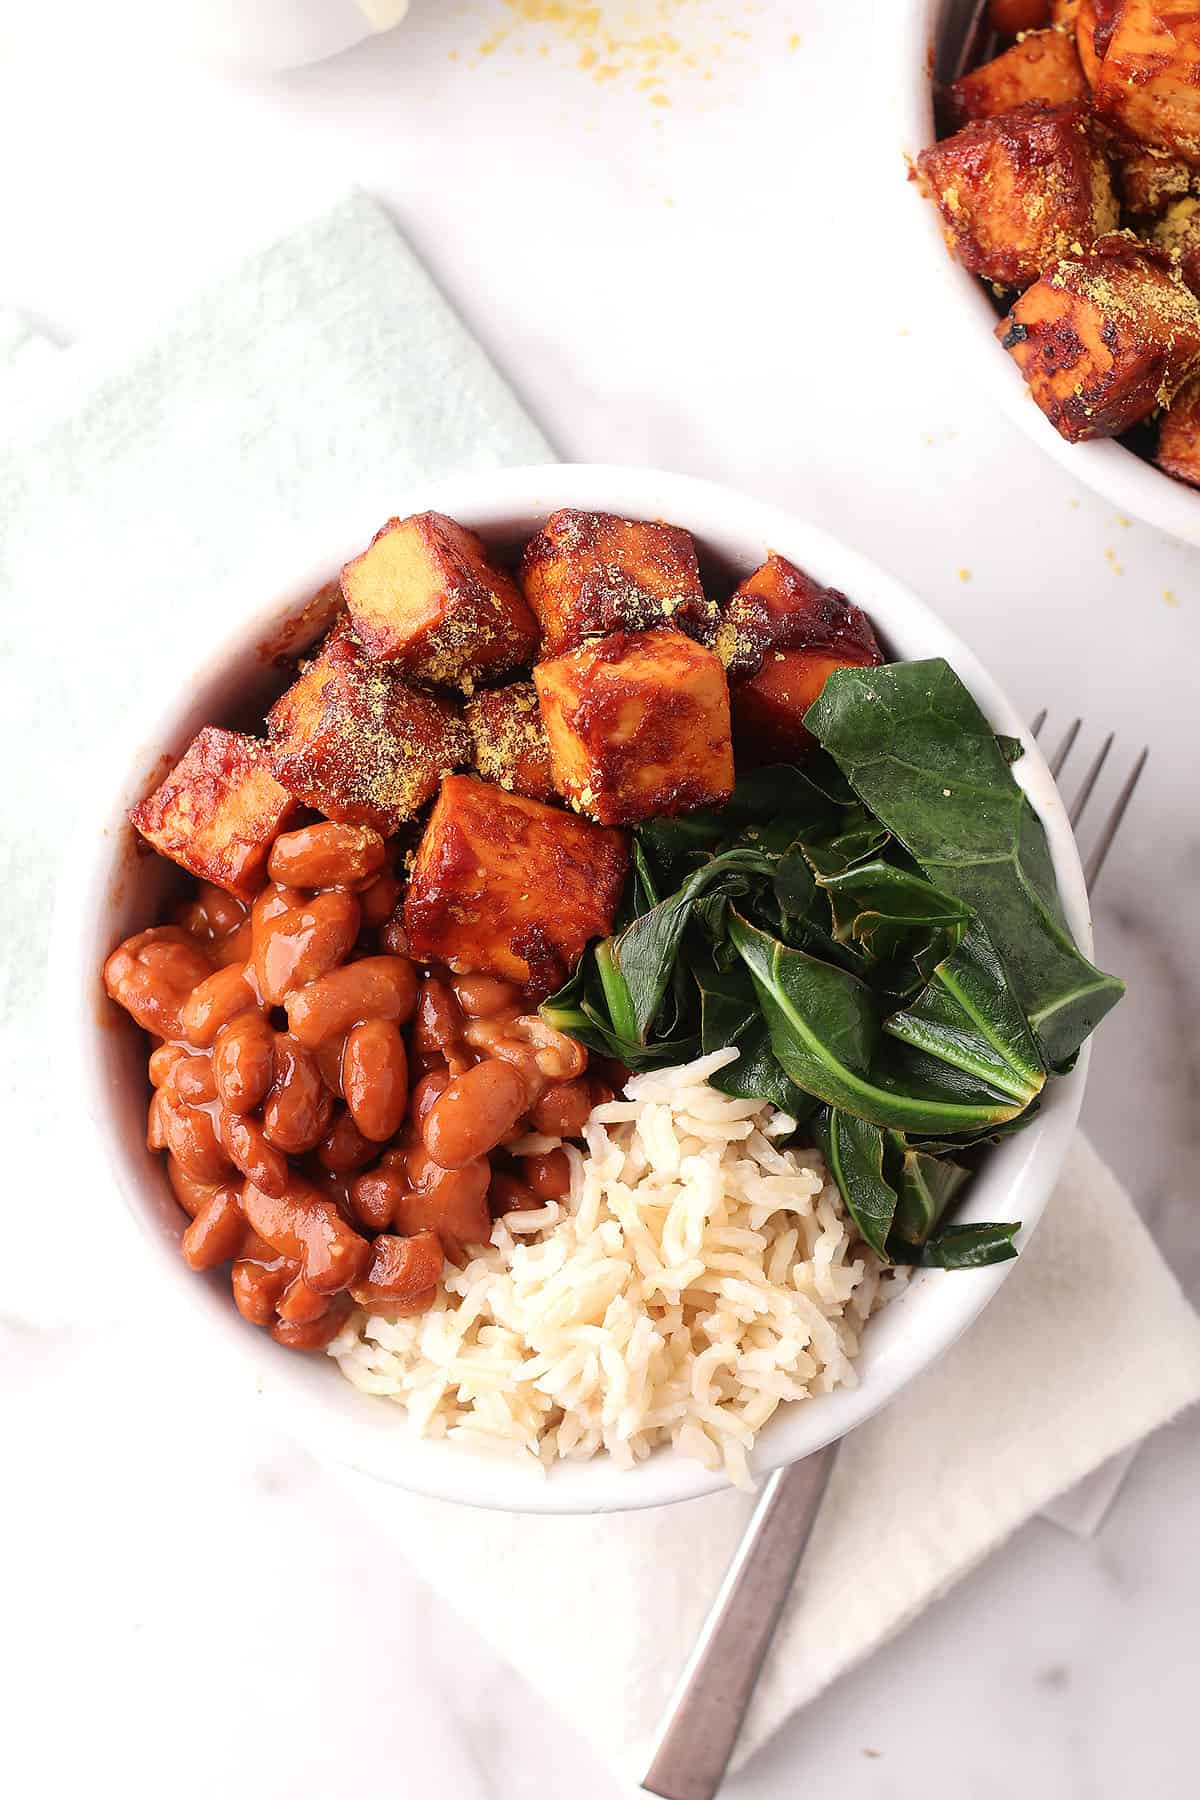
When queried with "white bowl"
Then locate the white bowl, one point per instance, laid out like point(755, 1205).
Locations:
point(1133, 486)
point(109, 890)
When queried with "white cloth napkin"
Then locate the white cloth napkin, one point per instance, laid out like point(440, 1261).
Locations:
point(132, 483)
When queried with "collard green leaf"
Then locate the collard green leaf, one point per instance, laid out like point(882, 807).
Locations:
point(968, 1017)
point(824, 1026)
point(729, 1014)
point(891, 910)
point(971, 1246)
point(926, 1187)
point(916, 748)
point(854, 1151)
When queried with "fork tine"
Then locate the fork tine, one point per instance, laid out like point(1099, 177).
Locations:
point(1095, 862)
point(1089, 781)
point(1064, 749)
point(1038, 723)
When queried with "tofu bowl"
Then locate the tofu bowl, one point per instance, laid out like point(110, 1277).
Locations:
point(940, 40)
point(111, 888)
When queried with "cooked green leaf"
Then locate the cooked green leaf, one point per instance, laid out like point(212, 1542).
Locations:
point(916, 748)
point(853, 1150)
point(824, 1025)
point(729, 1014)
point(926, 1186)
point(971, 1246)
point(887, 908)
point(968, 1017)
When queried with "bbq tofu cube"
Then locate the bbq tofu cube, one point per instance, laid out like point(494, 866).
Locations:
point(1105, 338)
point(218, 811)
point(1149, 180)
point(510, 741)
point(638, 724)
point(1179, 435)
point(350, 739)
point(769, 707)
point(1148, 87)
point(779, 607)
point(504, 886)
point(425, 597)
point(1043, 66)
point(1178, 235)
point(1019, 191)
point(588, 574)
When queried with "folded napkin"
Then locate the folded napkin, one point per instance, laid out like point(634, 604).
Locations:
point(325, 371)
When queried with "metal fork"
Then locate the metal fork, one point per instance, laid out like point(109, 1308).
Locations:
point(704, 1716)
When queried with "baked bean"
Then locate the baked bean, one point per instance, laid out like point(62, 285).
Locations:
point(393, 938)
point(258, 1285)
point(152, 974)
point(312, 1334)
point(482, 996)
point(215, 1234)
point(191, 1194)
point(506, 1194)
point(162, 1063)
point(329, 1062)
point(378, 901)
point(375, 1078)
point(217, 1000)
point(249, 1151)
point(557, 1055)
point(192, 1079)
point(236, 948)
point(374, 987)
point(343, 1147)
point(301, 1303)
point(426, 1092)
point(299, 1106)
point(472, 1114)
point(400, 1269)
point(375, 1196)
point(511, 1050)
point(438, 1025)
point(192, 1139)
point(303, 1225)
point(326, 856)
point(299, 937)
point(484, 1034)
point(212, 913)
point(452, 1202)
point(562, 1111)
point(243, 1061)
point(548, 1174)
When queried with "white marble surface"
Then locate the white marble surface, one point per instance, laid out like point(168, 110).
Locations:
point(722, 285)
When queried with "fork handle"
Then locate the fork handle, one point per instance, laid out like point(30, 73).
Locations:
point(710, 1701)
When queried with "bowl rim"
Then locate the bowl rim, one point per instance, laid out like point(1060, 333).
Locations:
point(1132, 485)
point(84, 929)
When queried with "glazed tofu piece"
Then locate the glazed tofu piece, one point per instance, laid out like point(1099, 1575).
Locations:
point(638, 725)
point(1149, 180)
point(219, 811)
point(502, 885)
point(424, 596)
point(352, 740)
point(588, 574)
point(1178, 235)
point(1148, 86)
point(1103, 339)
point(1178, 450)
point(1019, 191)
point(1041, 67)
point(779, 607)
point(510, 741)
point(769, 707)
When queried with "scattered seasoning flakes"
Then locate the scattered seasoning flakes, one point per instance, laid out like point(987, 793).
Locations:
point(1123, 521)
point(642, 41)
point(1171, 597)
point(1074, 505)
point(964, 574)
point(1110, 557)
point(945, 793)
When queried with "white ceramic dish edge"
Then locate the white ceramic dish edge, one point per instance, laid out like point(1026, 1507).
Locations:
point(106, 891)
point(1134, 487)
